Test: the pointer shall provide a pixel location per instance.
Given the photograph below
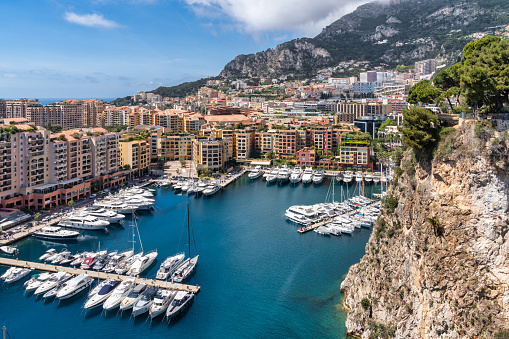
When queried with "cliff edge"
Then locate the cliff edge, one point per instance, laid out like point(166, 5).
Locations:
point(437, 262)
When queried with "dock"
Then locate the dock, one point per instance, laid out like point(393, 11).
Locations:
point(28, 232)
point(97, 275)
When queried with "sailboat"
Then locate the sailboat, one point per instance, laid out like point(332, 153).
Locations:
point(185, 270)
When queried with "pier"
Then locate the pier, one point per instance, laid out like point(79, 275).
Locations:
point(28, 232)
point(97, 275)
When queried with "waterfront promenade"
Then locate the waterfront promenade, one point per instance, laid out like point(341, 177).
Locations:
point(28, 232)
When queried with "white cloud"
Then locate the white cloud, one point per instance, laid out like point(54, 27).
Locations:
point(9, 75)
point(90, 20)
point(304, 16)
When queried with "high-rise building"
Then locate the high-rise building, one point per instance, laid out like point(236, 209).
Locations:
point(426, 66)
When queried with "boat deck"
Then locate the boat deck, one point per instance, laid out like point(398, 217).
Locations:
point(97, 275)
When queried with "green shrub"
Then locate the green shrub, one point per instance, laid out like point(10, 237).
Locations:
point(365, 303)
point(502, 334)
point(391, 203)
point(483, 130)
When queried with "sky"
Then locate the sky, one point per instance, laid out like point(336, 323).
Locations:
point(114, 48)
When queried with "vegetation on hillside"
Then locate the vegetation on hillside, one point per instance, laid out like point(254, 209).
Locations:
point(182, 90)
point(125, 101)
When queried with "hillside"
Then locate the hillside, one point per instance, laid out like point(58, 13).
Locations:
point(395, 32)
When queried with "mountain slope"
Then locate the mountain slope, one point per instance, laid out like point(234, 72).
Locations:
point(395, 32)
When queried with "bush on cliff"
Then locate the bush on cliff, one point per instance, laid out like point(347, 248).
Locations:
point(420, 130)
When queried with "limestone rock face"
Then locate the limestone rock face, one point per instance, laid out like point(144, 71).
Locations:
point(438, 266)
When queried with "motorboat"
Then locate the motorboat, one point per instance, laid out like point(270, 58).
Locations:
point(211, 189)
point(368, 177)
point(15, 273)
point(116, 206)
point(74, 286)
point(161, 302)
point(140, 265)
point(383, 179)
point(185, 270)
point(302, 215)
point(126, 264)
point(377, 177)
point(358, 176)
point(55, 233)
point(318, 177)
point(272, 177)
point(84, 222)
point(339, 177)
point(296, 175)
point(180, 304)
point(178, 185)
point(48, 253)
point(58, 258)
point(119, 294)
point(97, 288)
point(192, 189)
point(256, 173)
point(109, 215)
point(323, 230)
point(186, 186)
point(9, 250)
point(283, 174)
point(133, 297)
point(102, 260)
point(53, 292)
point(33, 284)
point(117, 259)
point(202, 185)
point(90, 260)
point(101, 296)
point(52, 282)
point(348, 177)
point(78, 258)
point(69, 259)
point(307, 176)
point(143, 304)
point(169, 266)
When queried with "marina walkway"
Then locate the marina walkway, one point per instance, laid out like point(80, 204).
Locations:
point(96, 275)
point(28, 232)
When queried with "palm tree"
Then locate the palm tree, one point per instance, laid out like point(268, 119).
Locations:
point(71, 203)
point(37, 216)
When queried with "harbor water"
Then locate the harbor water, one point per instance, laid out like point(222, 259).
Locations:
point(259, 277)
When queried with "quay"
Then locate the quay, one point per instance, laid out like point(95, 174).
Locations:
point(325, 222)
point(97, 275)
point(28, 232)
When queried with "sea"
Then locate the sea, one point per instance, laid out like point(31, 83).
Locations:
point(259, 277)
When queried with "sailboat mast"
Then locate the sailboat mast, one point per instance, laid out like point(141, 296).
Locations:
point(188, 233)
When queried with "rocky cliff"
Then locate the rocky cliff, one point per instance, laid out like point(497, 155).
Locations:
point(394, 32)
point(437, 262)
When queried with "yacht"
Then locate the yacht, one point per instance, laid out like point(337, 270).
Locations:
point(126, 264)
point(202, 185)
point(116, 206)
point(116, 260)
point(119, 294)
point(54, 291)
point(109, 215)
point(102, 295)
point(33, 284)
point(339, 177)
point(296, 175)
point(84, 222)
point(383, 179)
point(377, 177)
point(9, 250)
point(272, 177)
point(185, 270)
point(211, 189)
point(348, 177)
point(48, 253)
point(358, 176)
point(74, 286)
point(90, 260)
point(55, 233)
point(283, 174)
point(161, 302)
point(318, 177)
point(143, 304)
point(307, 176)
point(169, 266)
point(102, 260)
point(78, 258)
point(368, 177)
point(180, 303)
point(256, 173)
point(133, 297)
point(52, 282)
point(15, 273)
point(192, 189)
point(142, 264)
point(58, 258)
point(302, 215)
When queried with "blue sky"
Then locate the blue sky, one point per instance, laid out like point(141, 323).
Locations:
point(112, 48)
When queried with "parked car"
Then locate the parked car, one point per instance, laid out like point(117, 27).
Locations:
point(93, 196)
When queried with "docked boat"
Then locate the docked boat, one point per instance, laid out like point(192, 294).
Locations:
point(126, 264)
point(296, 175)
point(84, 222)
point(15, 273)
point(377, 177)
point(358, 176)
point(339, 177)
point(9, 250)
point(36, 281)
point(180, 304)
point(74, 286)
point(55, 233)
point(202, 185)
point(54, 291)
point(185, 270)
point(368, 177)
point(47, 254)
point(383, 179)
point(58, 258)
point(169, 266)
point(78, 258)
point(161, 302)
point(302, 215)
point(272, 177)
point(116, 206)
point(146, 299)
point(140, 265)
point(109, 215)
point(318, 177)
point(307, 176)
point(256, 173)
point(283, 174)
point(116, 260)
point(347, 177)
point(52, 282)
point(211, 189)
point(90, 260)
point(133, 297)
point(119, 294)
point(101, 296)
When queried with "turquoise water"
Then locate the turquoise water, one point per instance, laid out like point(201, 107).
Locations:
point(259, 277)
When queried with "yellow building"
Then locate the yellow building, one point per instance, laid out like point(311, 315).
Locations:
point(209, 153)
point(136, 154)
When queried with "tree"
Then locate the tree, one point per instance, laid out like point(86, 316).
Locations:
point(54, 129)
point(37, 216)
point(182, 160)
point(422, 93)
point(71, 203)
point(448, 81)
point(388, 122)
point(420, 129)
point(160, 163)
point(127, 167)
point(270, 155)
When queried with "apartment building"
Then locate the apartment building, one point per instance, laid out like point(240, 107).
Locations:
point(209, 153)
point(16, 108)
point(285, 143)
point(172, 147)
point(365, 109)
point(93, 110)
point(425, 66)
point(264, 141)
point(244, 144)
point(115, 116)
point(169, 119)
point(135, 154)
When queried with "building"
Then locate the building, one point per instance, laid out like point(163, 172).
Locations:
point(361, 109)
point(428, 66)
point(209, 153)
point(174, 146)
point(244, 142)
point(370, 125)
point(285, 143)
point(135, 155)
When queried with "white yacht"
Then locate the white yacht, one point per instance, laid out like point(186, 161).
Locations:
point(142, 264)
point(272, 177)
point(52, 282)
point(90, 260)
point(78, 258)
point(133, 297)
point(116, 206)
point(368, 177)
point(307, 176)
point(48, 253)
point(116, 260)
point(303, 215)
point(377, 177)
point(202, 185)
point(161, 302)
point(283, 174)
point(119, 294)
point(169, 266)
point(15, 273)
point(55, 233)
point(211, 189)
point(185, 270)
point(74, 286)
point(318, 177)
point(58, 258)
point(358, 176)
point(186, 185)
point(102, 295)
point(339, 177)
point(296, 175)
point(143, 304)
point(83, 222)
point(9, 250)
point(54, 291)
point(109, 215)
point(126, 264)
point(348, 177)
point(383, 179)
point(33, 284)
point(256, 173)
point(180, 303)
